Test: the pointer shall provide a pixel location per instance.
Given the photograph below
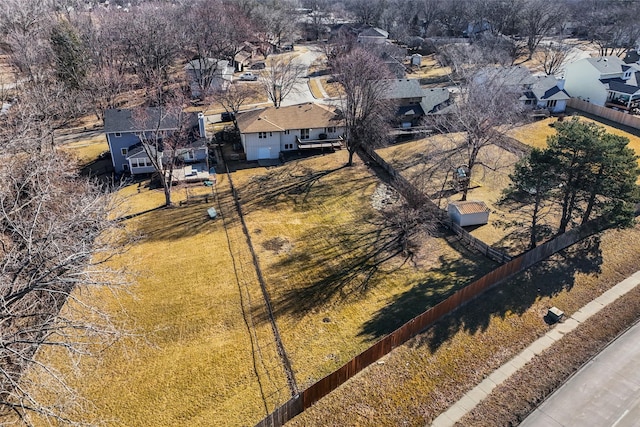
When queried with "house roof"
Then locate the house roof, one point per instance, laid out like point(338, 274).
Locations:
point(632, 57)
point(209, 63)
point(432, 98)
point(607, 64)
point(242, 57)
point(470, 207)
point(619, 85)
point(300, 116)
point(546, 88)
point(139, 120)
point(137, 151)
point(403, 88)
point(506, 76)
point(373, 32)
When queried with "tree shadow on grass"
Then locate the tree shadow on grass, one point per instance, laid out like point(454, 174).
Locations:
point(176, 222)
point(518, 294)
point(293, 184)
point(345, 262)
point(450, 275)
point(362, 261)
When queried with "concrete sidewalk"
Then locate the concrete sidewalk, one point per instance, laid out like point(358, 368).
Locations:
point(482, 390)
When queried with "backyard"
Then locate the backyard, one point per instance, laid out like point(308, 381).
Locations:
point(201, 349)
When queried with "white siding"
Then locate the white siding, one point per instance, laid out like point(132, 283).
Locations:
point(582, 81)
point(255, 148)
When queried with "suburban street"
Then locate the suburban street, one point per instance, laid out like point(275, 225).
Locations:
point(606, 392)
point(301, 93)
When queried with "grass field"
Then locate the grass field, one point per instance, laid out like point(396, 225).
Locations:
point(535, 134)
point(203, 352)
point(418, 381)
point(321, 247)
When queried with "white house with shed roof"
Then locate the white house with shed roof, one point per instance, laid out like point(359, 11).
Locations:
point(541, 92)
point(468, 213)
point(208, 75)
point(267, 132)
point(605, 81)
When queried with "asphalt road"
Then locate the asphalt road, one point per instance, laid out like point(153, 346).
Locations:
point(606, 392)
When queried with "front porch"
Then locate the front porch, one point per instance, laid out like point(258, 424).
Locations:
point(320, 143)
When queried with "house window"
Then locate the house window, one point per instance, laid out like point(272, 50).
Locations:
point(118, 134)
point(148, 163)
point(304, 133)
point(552, 103)
point(123, 151)
point(331, 129)
point(270, 133)
point(288, 146)
point(262, 135)
point(286, 132)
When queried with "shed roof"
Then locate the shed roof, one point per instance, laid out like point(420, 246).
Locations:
point(470, 207)
point(300, 116)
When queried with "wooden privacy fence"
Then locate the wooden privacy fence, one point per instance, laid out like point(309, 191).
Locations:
point(326, 385)
point(604, 112)
point(410, 192)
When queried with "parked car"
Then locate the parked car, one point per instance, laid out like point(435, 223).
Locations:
point(248, 77)
point(258, 66)
point(227, 116)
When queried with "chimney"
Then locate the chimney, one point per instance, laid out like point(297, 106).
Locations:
point(201, 128)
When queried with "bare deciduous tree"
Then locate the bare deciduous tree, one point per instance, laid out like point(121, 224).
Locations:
point(172, 131)
point(487, 107)
point(55, 239)
point(537, 19)
point(553, 56)
point(280, 78)
point(365, 110)
point(234, 98)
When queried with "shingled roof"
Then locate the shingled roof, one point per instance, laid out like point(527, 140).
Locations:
point(300, 116)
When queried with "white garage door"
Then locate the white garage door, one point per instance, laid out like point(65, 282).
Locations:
point(264, 153)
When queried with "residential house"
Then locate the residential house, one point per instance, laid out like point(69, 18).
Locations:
point(538, 92)
point(267, 132)
point(126, 131)
point(605, 81)
point(208, 74)
point(413, 102)
point(373, 35)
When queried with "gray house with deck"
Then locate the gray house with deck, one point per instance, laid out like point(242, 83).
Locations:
point(126, 131)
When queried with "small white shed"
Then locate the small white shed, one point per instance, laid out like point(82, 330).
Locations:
point(416, 59)
point(468, 213)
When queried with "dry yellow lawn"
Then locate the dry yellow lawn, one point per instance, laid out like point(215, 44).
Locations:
point(193, 360)
point(310, 229)
point(421, 379)
point(430, 68)
point(535, 134)
point(190, 360)
point(429, 163)
point(314, 87)
point(87, 150)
